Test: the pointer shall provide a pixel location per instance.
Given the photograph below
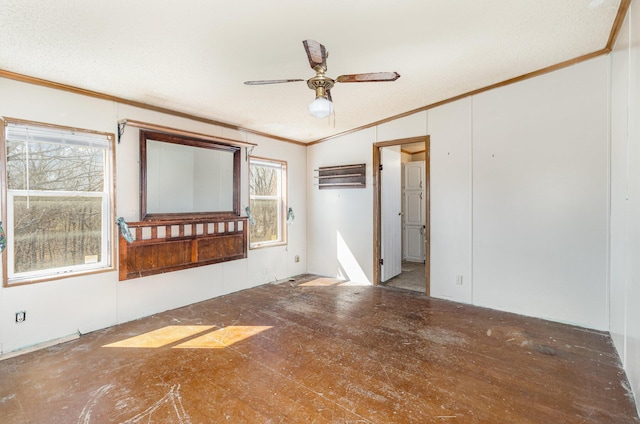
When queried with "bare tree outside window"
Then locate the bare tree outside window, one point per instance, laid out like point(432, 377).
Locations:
point(266, 201)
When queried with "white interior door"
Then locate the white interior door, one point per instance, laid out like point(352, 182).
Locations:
point(391, 212)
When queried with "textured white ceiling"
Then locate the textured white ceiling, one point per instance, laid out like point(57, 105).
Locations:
point(193, 56)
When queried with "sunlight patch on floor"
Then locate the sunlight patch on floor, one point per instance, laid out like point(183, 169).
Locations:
point(162, 336)
point(221, 337)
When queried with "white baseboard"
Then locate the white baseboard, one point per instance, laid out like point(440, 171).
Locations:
point(39, 346)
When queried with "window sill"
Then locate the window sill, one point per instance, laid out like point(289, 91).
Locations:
point(265, 245)
point(53, 277)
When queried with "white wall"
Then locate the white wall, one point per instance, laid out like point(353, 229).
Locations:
point(625, 197)
point(341, 219)
point(519, 197)
point(451, 200)
point(540, 196)
point(59, 308)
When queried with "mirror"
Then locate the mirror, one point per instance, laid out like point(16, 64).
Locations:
point(183, 177)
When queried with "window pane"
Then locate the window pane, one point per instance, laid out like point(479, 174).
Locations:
point(54, 232)
point(265, 214)
point(267, 193)
point(54, 166)
point(264, 181)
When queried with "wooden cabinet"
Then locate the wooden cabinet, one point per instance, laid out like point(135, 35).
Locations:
point(164, 246)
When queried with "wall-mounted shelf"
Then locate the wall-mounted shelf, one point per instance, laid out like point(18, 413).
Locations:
point(165, 246)
point(344, 176)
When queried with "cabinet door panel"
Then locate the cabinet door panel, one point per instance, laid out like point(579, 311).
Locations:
point(414, 208)
point(414, 243)
point(414, 175)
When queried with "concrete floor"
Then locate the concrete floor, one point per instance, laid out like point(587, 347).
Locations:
point(318, 350)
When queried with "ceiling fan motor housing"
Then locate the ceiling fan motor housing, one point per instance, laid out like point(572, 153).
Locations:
point(321, 84)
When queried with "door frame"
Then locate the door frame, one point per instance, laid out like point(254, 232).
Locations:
point(377, 218)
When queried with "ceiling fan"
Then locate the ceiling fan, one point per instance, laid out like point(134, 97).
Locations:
point(322, 106)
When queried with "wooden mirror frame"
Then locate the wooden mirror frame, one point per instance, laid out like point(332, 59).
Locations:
point(193, 142)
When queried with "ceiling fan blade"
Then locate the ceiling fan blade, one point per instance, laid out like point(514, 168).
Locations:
point(264, 82)
point(371, 77)
point(316, 53)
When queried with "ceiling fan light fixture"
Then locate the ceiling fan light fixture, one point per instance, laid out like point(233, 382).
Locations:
point(321, 107)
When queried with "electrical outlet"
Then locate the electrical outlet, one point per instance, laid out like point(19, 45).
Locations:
point(296, 258)
point(21, 316)
point(459, 280)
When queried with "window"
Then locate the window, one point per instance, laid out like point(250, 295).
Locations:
point(59, 213)
point(267, 201)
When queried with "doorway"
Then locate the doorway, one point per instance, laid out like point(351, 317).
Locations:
point(384, 238)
